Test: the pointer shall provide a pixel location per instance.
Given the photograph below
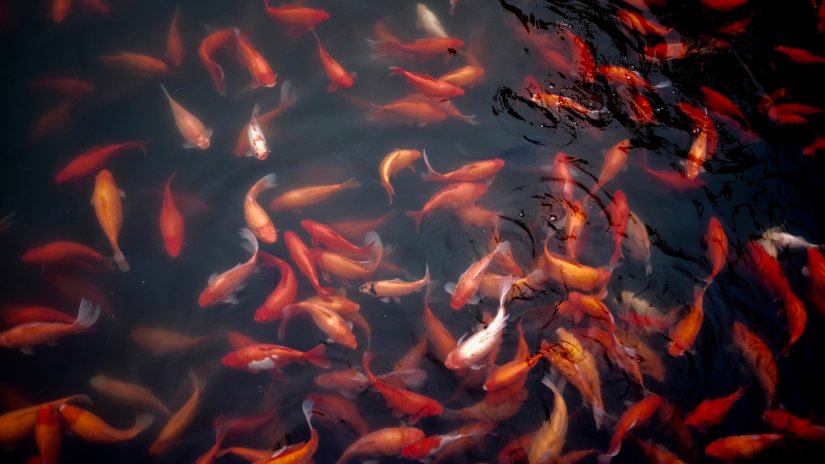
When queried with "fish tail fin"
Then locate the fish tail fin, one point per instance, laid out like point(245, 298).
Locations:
point(306, 407)
point(426, 277)
point(316, 356)
point(417, 216)
point(248, 237)
point(267, 182)
point(352, 183)
point(366, 360)
point(255, 110)
point(120, 261)
point(503, 248)
point(432, 174)
point(87, 314)
point(288, 95)
point(142, 422)
point(395, 71)
point(663, 85)
point(165, 92)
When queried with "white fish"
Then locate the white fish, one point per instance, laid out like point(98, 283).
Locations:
point(428, 22)
point(255, 136)
point(775, 239)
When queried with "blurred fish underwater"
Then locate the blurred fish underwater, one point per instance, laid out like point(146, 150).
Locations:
point(454, 231)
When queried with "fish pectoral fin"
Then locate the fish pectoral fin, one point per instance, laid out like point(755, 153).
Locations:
point(188, 145)
point(450, 287)
point(27, 350)
point(397, 299)
point(231, 299)
point(121, 193)
point(212, 277)
point(474, 299)
point(384, 299)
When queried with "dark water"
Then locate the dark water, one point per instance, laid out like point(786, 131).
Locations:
point(750, 186)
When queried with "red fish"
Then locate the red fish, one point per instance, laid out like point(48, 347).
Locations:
point(264, 357)
point(582, 57)
point(814, 147)
point(338, 77)
point(63, 252)
point(68, 86)
point(223, 287)
point(427, 85)
point(713, 411)
point(302, 258)
point(60, 10)
point(401, 400)
point(717, 247)
point(212, 43)
point(325, 235)
point(800, 55)
point(190, 127)
point(282, 296)
point(171, 222)
point(93, 160)
point(420, 49)
point(796, 426)
point(723, 5)
point(465, 290)
point(621, 76)
point(17, 315)
point(89, 427)
point(174, 44)
point(296, 18)
point(741, 447)
point(47, 433)
point(720, 104)
point(333, 410)
point(473, 172)
point(759, 357)
point(642, 25)
point(256, 64)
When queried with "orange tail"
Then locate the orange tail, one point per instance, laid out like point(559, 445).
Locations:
point(417, 216)
point(316, 356)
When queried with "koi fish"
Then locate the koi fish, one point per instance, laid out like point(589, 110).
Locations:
point(64, 253)
point(255, 137)
point(54, 120)
point(221, 425)
point(212, 43)
point(741, 447)
point(60, 10)
point(19, 424)
point(394, 162)
point(515, 371)
point(264, 357)
point(549, 438)
point(256, 218)
point(47, 433)
point(68, 86)
point(570, 273)
point(720, 104)
point(556, 102)
point(255, 63)
point(464, 77)
point(814, 147)
point(171, 222)
point(162, 341)
point(394, 289)
point(584, 64)
point(93, 160)
point(25, 336)
point(468, 284)
point(13, 316)
point(355, 230)
point(427, 85)
point(642, 25)
point(621, 76)
point(615, 159)
point(190, 127)
point(325, 235)
point(136, 63)
point(333, 410)
point(302, 258)
point(473, 172)
point(174, 44)
point(128, 394)
point(223, 287)
point(800, 55)
point(451, 197)
point(420, 49)
point(338, 76)
point(243, 146)
point(637, 242)
point(796, 426)
point(684, 333)
point(383, 442)
point(712, 411)
point(345, 268)
point(282, 296)
point(296, 18)
point(618, 214)
point(717, 243)
point(308, 196)
point(89, 427)
point(634, 416)
point(474, 348)
point(401, 400)
point(338, 329)
point(180, 421)
point(109, 211)
point(759, 358)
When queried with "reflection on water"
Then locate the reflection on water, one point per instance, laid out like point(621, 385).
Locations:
point(617, 202)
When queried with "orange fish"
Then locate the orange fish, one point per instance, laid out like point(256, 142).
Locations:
point(54, 120)
point(128, 394)
point(109, 211)
point(420, 49)
point(556, 102)
point(264, 357)
point(282, 296)
point(674, 180)
point(25, 336)
point(47, 433)
point(223, 287)
point(338, 77)
point(355, 230)
point(174, 44)
point(411, 111)
point(208, 47)
point(621, 76)
point(741, 447)
point(136, 63)
point(394, 289)
point(465, 76)
point(717, 246)
point(514, 371)
point(17, 315)
point(190, 127)
point(338, 329)
point(549, 438)
point(759, 357)
point(89, 427)
point(325, 235)
point(307, 196)
point(348, 269)
point(441, 339)
point(427, 85)
point(60, 10)
point(401, 400)
point(615, 159)
point(20, 424)
point(684, 333)
point(618, 215)
point(171, 222)
point(636, 415)
point(243, 146)
point(334, 410)
point(162, 341)
point(720, 104)
point(256, 64)
point(383, 442)
point(297, 19)
point(468, 284)
point(570, 273)
point(93, 160)
point(642, 25)
point(473, 172)
point(256, 218)
point(451, 197)
point(713, 411)
point(179, 422)
point(394, 162)
point(221, 425)
point(302, 258)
